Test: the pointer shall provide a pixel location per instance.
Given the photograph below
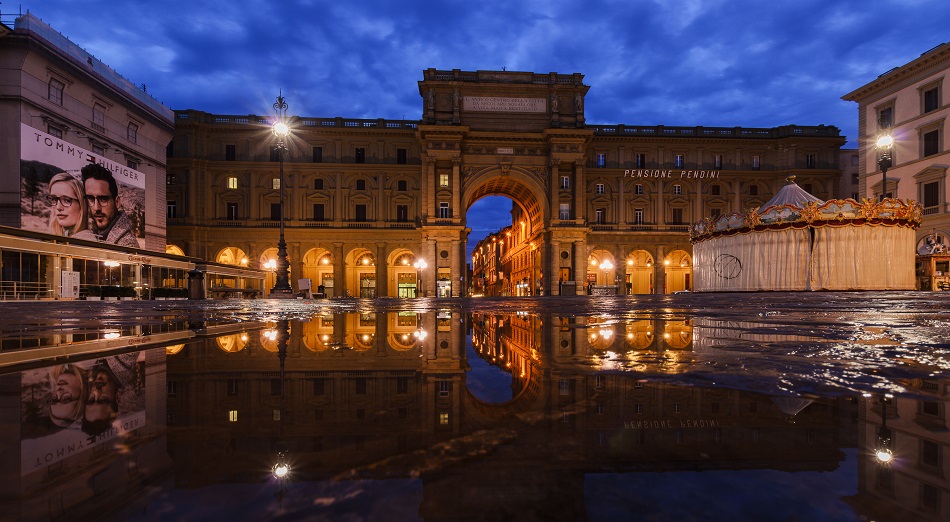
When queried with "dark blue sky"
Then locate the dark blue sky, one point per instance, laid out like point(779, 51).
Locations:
point(748, 63)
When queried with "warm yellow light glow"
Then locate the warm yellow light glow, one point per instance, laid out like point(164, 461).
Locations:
point(365, 260)
point(884, 455)
point(281, 470)
point(885, 141)
point(271, 334)
point(281, 130)
point(667, 262)
point(630, 262)
point(111, 264)
point(271, 265)
point(325, 260)
point(244, 261)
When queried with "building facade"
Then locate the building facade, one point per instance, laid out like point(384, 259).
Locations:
point(61, 110)
point(604, 206)
point(909, 103)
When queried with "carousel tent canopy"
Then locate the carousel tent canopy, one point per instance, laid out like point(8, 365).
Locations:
point(791, 194)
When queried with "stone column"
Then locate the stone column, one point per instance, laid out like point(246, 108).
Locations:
point(550, 260)
point(659, 269)
point(338, 210)
point(660, 202)
point(456, 185)
point(382, 270)
point(339, 271)
point(580, 190)
point(580, 266)
point(554, 188)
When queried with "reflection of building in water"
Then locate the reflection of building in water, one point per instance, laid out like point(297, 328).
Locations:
point(52, 472)
point(913, 486)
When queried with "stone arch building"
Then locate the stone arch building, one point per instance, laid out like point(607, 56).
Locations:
point(394, 191)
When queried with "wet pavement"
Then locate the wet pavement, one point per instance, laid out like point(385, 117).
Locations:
point(751, 406)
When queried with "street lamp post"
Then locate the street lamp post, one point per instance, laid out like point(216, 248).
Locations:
point(282, 289)
point(420, 266)
point(606, 266)
point(884, 144)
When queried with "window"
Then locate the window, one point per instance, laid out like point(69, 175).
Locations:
point(276, 386)
point(717, 161)
point(444, 210)
point(599, 188)
point(132, 133)
point(715, 212)
point(931, 194)
point(232, 211)
point(232, 387)
point(55, 91)
point(638, 408)
point(854, 160)
point(641, 161)
point(599, 382)
point(361, 212)
point(677, 408)
point(885, 117)
point(171, 210)
point(132, 164)
point(98, 149)
point(232, 415)
point(678, 161)
point(230, 153)
point(402, 213)
point(931, 142)
point(361, 184)
point(275, 211)
point(171, 388)
point(444, 418)
point(232, 182)
point(754, 190)
point(564, 211)
point(931, 98)
point(599, 216)
point(854, 179)
point(638, 189)
point(56, 132)
point(402, 185)
point(678, 216)
point(810, 161)
point(601, 160)
point(99, 118)
point(638, 216)
point(715, 190)
point(401, 156)
point(318, 154)
point(565, 182)
point(756, 163)
point(443, 180)
point(318, 214)
point(677, 189)
point(170, 179)
point(360, 155)
point(402, 385)
point(564, 387)
point(319, 387)
point(929, 453)
point(444, 388)
point(275, 183)
point(361, 386)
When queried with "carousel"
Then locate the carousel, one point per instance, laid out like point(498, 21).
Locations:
point(797, 242)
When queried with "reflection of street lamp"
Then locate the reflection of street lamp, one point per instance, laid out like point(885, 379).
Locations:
point(884, 144)
point(884, 452)
point(420, 265)
point(282, 289)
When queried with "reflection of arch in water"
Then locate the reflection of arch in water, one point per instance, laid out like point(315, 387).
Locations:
point(172, 350)
point(678, 335)
point(232, 343)
point(639, 335)
point(316, 336)
point(601, 336)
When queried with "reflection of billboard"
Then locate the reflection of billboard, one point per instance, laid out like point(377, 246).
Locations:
point(55, 199)
point(69, 408)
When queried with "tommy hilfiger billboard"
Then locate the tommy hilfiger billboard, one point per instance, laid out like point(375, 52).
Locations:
point(70, 191)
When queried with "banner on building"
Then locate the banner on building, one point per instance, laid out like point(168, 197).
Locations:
point(54, 197)
point(72, 407)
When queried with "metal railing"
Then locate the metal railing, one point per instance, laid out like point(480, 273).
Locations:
point(25, 290)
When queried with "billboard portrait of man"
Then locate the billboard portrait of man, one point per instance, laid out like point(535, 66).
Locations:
point(109, 223)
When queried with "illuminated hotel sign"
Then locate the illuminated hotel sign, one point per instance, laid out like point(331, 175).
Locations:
point(666, 173)
point(499, 104)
